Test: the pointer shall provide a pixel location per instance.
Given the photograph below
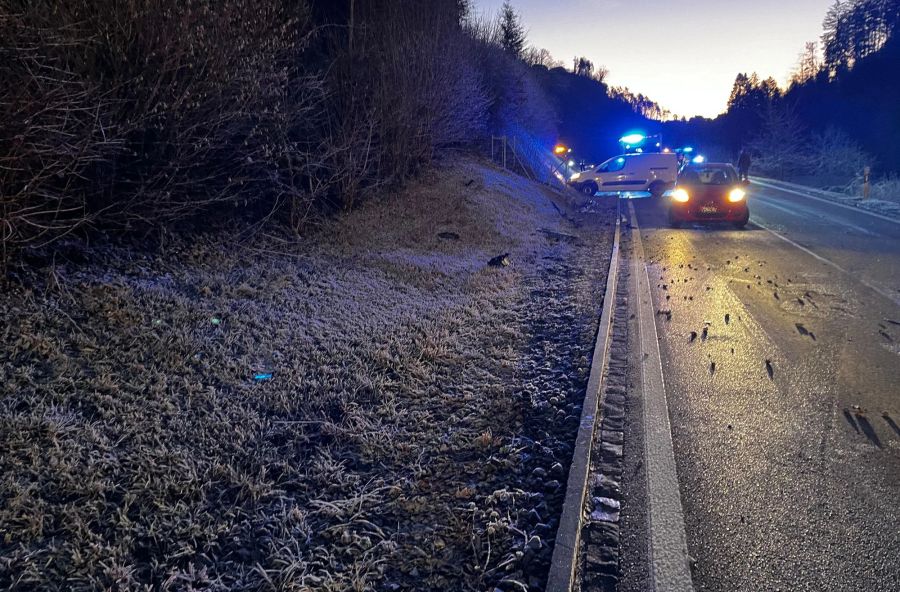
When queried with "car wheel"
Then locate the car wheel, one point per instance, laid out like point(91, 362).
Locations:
point(657, 189)
point(589, 189)
point(674, 222)
point(740, 224)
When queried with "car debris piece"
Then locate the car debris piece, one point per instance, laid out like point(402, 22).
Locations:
point(500, 261)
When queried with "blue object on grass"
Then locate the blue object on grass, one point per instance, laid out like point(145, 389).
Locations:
point(262, 376)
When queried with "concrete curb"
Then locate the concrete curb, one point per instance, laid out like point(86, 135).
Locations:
point(566, 551)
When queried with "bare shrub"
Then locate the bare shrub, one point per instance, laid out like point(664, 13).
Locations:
point(148, 110)
point(121, 115)
point(835, 155)
point(405, 90)
point(780, 147)
point(887, 189)
point(516, 100)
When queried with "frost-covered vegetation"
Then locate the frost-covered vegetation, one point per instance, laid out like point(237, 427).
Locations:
point(135, 115)
point(368, 407)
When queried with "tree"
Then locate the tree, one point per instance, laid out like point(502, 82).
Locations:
point(854, 29)
point(780, 145)
point(808, 64)
point(641, 104)
point(540, 57)
point(834, 43)
point(739, 90)
point(583, 67)
point(512, 33)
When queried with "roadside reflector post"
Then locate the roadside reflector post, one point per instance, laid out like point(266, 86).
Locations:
point(866, 186)
point(504, 153)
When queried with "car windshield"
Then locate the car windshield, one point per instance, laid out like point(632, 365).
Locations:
point(709, 175)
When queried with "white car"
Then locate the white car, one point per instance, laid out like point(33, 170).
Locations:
point(653, 172)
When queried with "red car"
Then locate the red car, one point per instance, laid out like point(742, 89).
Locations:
point(709, 193)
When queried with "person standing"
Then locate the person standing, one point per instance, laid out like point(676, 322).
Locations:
point(744, 161)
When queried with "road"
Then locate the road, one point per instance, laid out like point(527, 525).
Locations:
point(781, 358)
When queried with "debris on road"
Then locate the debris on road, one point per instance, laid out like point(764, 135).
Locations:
point(770, 369)
point(500, 261)
point(804, 331)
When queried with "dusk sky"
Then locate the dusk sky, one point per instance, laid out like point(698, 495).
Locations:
point(685, 54)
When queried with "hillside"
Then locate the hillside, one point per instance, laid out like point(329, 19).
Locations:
point(218, 414)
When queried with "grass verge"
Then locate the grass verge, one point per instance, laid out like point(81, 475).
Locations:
point(372, 407)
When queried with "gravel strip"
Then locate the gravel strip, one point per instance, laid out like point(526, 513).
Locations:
point(600, 569)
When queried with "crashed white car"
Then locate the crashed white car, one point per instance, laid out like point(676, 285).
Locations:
point(652, 172)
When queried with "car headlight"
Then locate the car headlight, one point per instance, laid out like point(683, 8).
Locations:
point(680, 195)
point(737, 194)
point(574, 177)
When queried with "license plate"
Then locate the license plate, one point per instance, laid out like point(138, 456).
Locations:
point(708, 210)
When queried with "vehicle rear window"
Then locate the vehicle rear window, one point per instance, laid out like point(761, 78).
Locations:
point(708, 176)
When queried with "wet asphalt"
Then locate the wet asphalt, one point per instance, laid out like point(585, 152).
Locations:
point(782, 368)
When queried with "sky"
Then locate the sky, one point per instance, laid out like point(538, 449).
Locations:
point(683, 54)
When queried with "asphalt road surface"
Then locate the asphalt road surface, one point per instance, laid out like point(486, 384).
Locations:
point(782, 368)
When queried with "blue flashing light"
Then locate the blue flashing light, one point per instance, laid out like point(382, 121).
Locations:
point(640, 150)
point(699, 159)
point(632, 139)
point(620, 160)
point(688, 149)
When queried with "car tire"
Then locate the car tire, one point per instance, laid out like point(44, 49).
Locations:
point(740, 224)
point(674, 222)
point(589, 189)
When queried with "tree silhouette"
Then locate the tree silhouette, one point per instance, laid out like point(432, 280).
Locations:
point(512, 33)
point(808, 64)
point(584, 67)
point(854, 29)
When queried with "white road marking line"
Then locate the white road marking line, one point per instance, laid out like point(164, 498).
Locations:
point(827, 201)
point(884, 292)
point(764, 199)
point(668, 551)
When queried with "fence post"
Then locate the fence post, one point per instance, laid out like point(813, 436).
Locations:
point(866, 185)
point(504, 153)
